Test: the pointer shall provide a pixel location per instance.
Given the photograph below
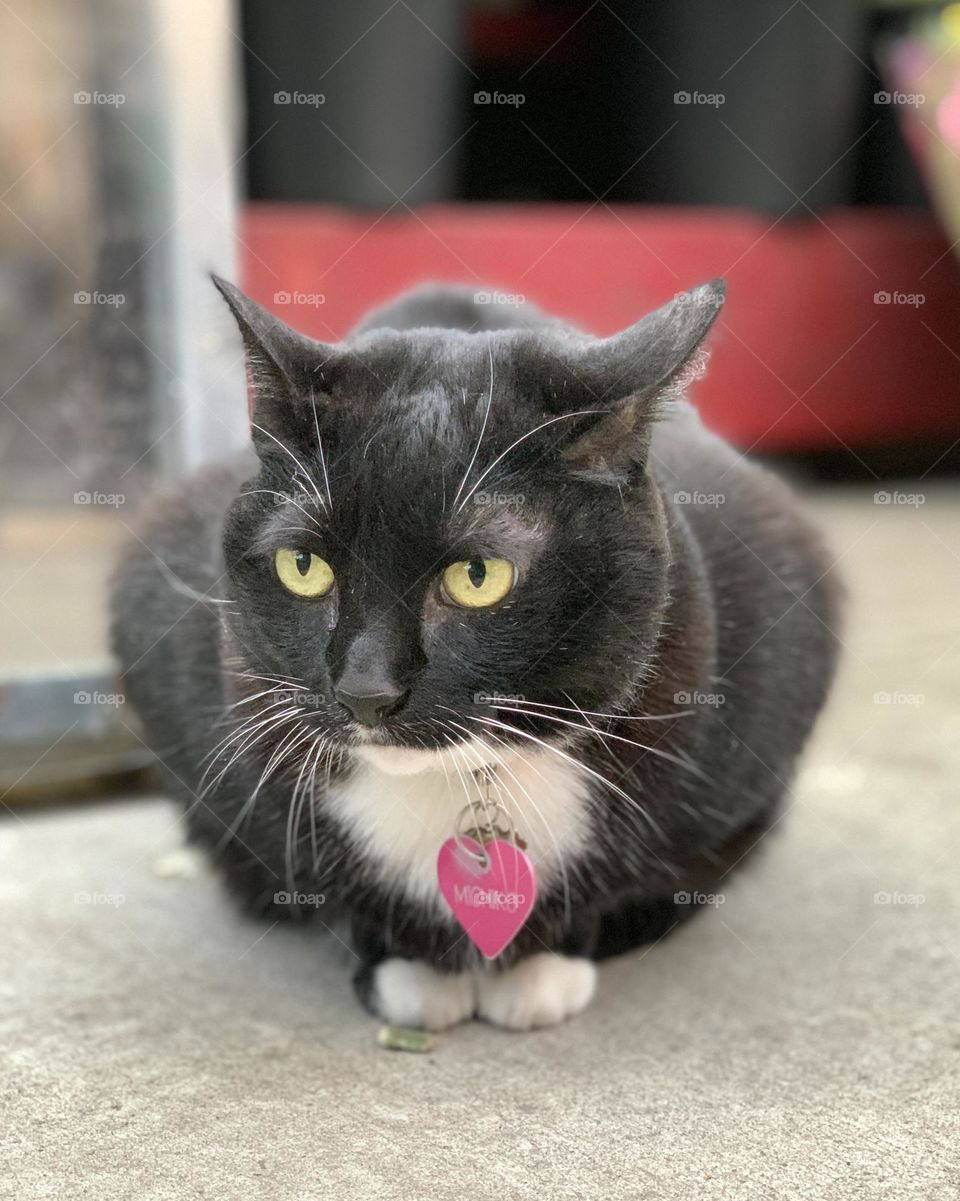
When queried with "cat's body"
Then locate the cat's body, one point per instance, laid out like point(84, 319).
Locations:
point(641, 694)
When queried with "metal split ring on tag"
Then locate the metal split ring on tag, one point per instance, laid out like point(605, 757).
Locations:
point(485, 814)
point(486, 828)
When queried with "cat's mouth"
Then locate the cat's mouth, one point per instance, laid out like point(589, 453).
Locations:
point(398, 750)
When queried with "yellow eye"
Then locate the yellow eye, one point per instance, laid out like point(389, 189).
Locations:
point(302, 573)
point(476, 583)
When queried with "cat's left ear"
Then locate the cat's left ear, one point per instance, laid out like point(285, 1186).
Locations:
point(632, 374)
point(285, 369)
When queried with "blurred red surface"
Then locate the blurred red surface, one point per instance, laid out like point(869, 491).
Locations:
point(804, 356)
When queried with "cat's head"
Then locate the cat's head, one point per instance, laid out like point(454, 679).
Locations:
point(454, 535)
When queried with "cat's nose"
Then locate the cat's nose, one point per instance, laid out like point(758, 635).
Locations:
point(370, 708)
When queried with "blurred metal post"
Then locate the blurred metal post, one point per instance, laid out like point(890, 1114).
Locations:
point(204, 407)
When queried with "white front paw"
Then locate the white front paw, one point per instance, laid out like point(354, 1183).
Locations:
point(539, 991)
point(409, 993)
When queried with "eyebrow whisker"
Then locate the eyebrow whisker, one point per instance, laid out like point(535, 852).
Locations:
point(483, 427)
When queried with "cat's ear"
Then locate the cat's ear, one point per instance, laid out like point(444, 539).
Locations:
point(631, 375)
point(282, 367)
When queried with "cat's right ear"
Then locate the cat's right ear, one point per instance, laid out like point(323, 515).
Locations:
point(282, 368)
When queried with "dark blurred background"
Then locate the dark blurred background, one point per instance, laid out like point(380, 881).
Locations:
point(598, 83)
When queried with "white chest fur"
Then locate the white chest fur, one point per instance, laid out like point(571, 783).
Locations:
point(401, 820)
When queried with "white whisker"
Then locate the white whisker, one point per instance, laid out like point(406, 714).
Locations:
point(287, 450)
point(483, 427)
point(258, 732)
point(576, 763)
point(575, 725)
point(593, 713)
point(323, 459)
point(528, 434)
point(184, 588)
point(288, 499)
point(249, 675)
point(295, 812)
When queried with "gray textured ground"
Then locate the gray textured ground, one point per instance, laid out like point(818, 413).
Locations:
point(800, 1041)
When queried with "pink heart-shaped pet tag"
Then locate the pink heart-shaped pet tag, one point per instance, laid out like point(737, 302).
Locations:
point(491, 902)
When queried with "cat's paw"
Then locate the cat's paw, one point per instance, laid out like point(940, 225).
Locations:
point(539, 991)
point(406, 992)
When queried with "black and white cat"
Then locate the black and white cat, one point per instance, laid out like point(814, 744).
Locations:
point(477, 548)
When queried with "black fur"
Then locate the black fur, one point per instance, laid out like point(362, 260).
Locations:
point(629, 599)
